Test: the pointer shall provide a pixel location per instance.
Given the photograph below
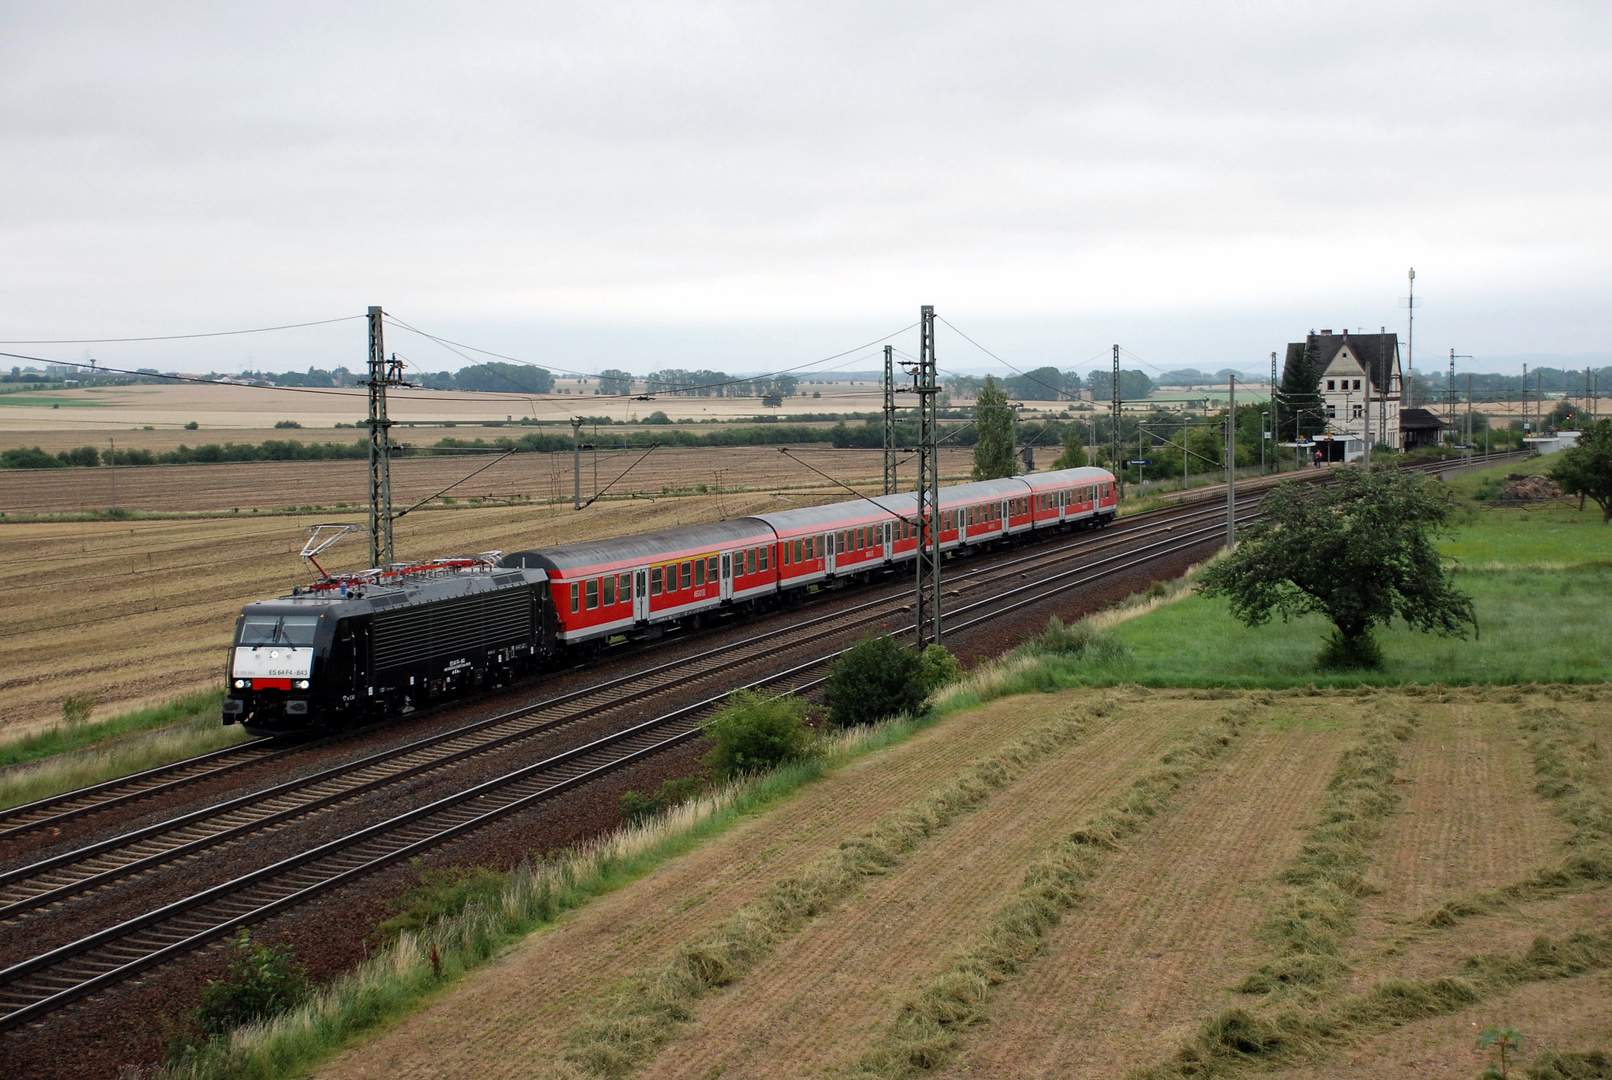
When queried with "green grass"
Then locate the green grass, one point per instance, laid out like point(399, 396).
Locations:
point(1539, 579)
point(65, 757)
point(63, 737)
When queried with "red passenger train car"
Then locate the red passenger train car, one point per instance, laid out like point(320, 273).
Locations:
point(636, 586)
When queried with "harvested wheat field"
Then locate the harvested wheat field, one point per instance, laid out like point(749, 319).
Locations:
point(138, 611)
point(1166, 922)
point(337, 485)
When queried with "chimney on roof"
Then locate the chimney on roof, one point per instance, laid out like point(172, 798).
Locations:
point(1326, 333)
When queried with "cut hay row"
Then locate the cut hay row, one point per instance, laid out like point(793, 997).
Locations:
point(1241, 1039)
point(644, 1014)
point(1307, 925)
point(926, 1031)
point(1569, 777)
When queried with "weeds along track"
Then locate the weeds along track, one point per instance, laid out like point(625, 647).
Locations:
point(57, 809)
point(113, 953)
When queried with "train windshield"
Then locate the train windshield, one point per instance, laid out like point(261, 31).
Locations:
point(294, 630)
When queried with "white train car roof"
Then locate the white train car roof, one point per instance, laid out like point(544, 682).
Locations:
point(1062, 478)
point(839, 515)
point(663, 545)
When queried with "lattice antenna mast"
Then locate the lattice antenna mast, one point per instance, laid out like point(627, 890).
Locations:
point(382, 373)
point(1276, 420)
point(889, 421)
point(1114, 411)
point(1409, 390)
point(928, 561)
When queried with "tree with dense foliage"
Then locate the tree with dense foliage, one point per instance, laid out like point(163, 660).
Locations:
point(1300, 405)
point(497, 377)
point(1586, 469)
point(1358, 551)
point(874, 680)
point(615, 381)
point(1074, 450)
point(993, 453)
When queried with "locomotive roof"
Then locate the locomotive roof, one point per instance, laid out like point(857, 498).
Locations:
point(651, 546)
point(372, 597)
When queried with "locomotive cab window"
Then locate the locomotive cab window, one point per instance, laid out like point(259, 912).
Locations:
point(293, 630)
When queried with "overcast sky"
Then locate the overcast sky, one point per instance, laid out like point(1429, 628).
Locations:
point(754, 185)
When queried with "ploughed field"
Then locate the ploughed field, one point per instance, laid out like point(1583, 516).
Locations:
point(270, 486)
point(1203, 912)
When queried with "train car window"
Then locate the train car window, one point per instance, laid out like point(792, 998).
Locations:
point(609, 585)
point(750, 560)
point(699, 571)
point(710, 569)
point(576, 597)
point(793, 550)
point(859, 538)
point(785, 553)
point(624, 587)
point(654, 581)
point(592, 593)
point(762, 560)
point(687, 576)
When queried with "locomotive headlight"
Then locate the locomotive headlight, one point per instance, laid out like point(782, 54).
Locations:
point(240, 684)
point(302, 685)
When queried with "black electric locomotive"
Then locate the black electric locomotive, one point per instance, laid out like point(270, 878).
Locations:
point(359, 647)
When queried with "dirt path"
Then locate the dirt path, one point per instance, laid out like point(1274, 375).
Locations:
point(513, 1015)
point(1168, 930)
point(832, 989)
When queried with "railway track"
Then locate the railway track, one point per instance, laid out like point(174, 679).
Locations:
point(44, 982)
point(60, 877)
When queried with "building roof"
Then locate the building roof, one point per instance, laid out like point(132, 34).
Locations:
point(1419, 420)
point(1376, 352)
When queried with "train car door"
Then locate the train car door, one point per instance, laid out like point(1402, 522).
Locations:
point(831, 550)
point(727, 577)
point(889, 541)
point(640, 595)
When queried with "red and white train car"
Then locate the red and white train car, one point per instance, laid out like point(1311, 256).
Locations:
point(635, 585)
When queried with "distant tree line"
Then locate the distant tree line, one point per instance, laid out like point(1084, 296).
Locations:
point(206, 454)
point(1050, 384)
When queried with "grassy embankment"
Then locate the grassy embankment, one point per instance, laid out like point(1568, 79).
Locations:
point(56, 759)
